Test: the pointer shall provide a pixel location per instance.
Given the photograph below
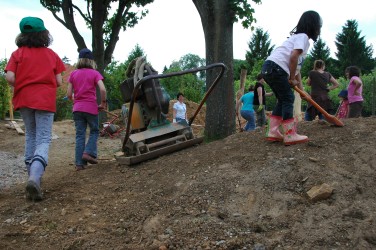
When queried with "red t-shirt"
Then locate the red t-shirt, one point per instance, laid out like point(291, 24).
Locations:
point(35, 71)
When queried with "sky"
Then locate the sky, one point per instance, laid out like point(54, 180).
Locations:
point(173, 28)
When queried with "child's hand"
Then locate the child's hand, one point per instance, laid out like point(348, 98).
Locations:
point(293, 82)
point(103, 105)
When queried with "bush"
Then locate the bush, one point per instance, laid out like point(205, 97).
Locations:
point(5, 92)
point(63, 107)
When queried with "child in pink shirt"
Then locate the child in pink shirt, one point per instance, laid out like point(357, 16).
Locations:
point(83, 82)
point(354, 90)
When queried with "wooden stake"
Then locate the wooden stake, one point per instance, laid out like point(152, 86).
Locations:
point(10, 105)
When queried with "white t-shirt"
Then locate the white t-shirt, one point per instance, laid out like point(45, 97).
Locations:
point(181, 109)
point(281, 55)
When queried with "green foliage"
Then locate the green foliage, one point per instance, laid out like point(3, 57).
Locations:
point(307, 66)
point(369, 94)
point(259, 47)
point(352, 49)
point(191, 85)
point(104, 18)
point(238, 66)
point(243, 12)
point(4, 91)
point(63, 107)
point(320, 51)
point(115, 75)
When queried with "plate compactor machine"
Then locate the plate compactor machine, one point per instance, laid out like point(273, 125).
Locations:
point(148, 132)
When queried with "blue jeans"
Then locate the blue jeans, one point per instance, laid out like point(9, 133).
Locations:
point(249, 115)
point(81, 120)
point(277, 79)
point(308, 117)
point(38, 126)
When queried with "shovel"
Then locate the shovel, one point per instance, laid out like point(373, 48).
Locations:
point(330, 118)
point(240, 125)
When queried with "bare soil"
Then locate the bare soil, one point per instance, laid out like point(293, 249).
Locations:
point(241, 192)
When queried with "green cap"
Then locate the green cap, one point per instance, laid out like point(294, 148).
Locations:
point(31, 24)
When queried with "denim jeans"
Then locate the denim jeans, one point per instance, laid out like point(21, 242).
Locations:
point(250, 117)
point(308, 117)
point(261, 119)
point(38, 126)
point(277, 79)
point(81, 121)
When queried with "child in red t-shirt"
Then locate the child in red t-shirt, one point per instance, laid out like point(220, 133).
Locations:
point(343, 109)
point(34, 71)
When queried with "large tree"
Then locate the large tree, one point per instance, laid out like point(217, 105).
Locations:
point(104, 21)
point(320, 51)
point(259, 47)
point(217, 18)
point(352, 48)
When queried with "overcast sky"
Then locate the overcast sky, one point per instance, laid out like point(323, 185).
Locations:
point(173, 27)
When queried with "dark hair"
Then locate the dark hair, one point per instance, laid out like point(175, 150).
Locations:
point(259, 77)
point(251, 88)
point(353, 71)
point(309, 23)
point(318, 64)
point(34, 39)
point(179, 94)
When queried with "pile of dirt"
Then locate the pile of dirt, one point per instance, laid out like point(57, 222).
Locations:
point(241, 192)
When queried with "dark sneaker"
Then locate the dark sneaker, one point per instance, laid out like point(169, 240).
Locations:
point(90, 159)
point(33, 190)
point(79, 167)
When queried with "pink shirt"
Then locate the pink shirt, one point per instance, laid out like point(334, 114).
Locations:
point(84, 82)
point(351, 88)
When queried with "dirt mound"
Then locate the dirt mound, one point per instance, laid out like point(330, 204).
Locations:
point(238, 193)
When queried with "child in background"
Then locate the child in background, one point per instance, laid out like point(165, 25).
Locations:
point(343, 109)
point(247, 111)
point(34, 71)
point(83, 82)
point(354, 91)
point(281, 71)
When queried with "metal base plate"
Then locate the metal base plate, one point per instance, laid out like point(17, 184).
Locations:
point(131, 160)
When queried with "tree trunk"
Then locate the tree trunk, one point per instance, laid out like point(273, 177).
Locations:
point(217, 21)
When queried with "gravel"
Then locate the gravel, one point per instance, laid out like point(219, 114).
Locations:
point(12, 170)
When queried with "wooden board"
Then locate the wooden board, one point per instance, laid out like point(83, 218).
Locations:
point(17, 127)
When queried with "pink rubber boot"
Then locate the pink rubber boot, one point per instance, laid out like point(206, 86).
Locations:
point(290, 133)
point(272, 131)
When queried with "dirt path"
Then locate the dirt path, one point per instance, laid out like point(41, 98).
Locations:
point(238, 193)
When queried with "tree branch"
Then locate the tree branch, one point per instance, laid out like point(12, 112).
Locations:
point(115, 30)
point(81, 13)
point(60, 20)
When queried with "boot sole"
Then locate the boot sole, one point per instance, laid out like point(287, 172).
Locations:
point(295, 142)
point(273, 139)
point(34, 192)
